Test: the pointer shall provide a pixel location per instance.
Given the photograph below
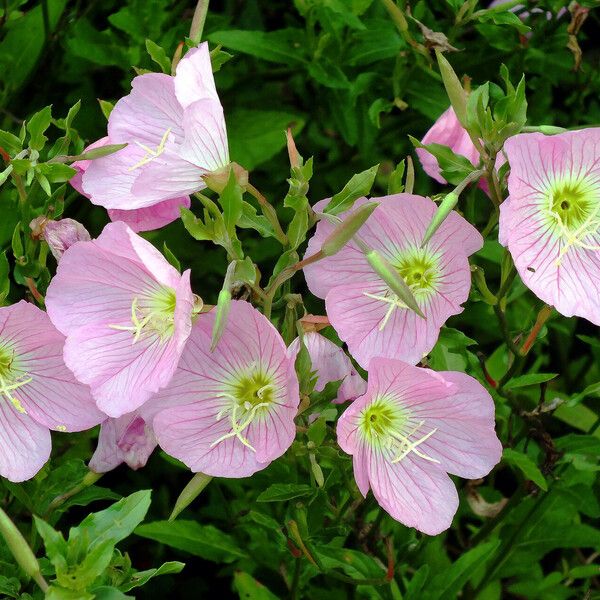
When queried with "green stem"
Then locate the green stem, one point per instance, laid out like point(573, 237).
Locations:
point(198, 21)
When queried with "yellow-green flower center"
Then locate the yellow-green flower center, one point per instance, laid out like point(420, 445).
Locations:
point(386, 425)
point(12, 375)
point(152, 313)
point(247, 397)
point(571, 204)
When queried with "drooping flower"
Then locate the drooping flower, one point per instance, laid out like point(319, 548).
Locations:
point(59, 235)
point(175, 133)
point(330, 363)
point(37, 391)
point(447, 131)
point(367, 315)
point(140, 219)
point(412, 428)
point(127, 314)
point(128, 439)
point(230, 412)
point(551, 221)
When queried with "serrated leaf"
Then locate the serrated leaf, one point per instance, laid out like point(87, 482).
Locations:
point(159, 56)
point(36, 127)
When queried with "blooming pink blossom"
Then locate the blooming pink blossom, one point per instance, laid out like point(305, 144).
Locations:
point(175, 133)
point(140, 219)
point(330, 363)
point(412, 428)
point(59, 235)
point(127, 314)
point(230, 412)
point(551, 221)
point(367, 315)
point(37, 391)
point(128, 439)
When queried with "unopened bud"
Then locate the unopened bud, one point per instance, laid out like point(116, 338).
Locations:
point(454, 89)
point(393, 279)
point(189, 493)
point(59, 235)
point(222, 310)
point(345, 231)
point(19, 548)
point(316, 470)
point(295, 158)
point(218, 180)
point(443, 210)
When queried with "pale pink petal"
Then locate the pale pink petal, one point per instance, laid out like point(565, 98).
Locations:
point(147, 112)
point(81, 165)
point(465, 442)
point(330, 364)
point(127, 439)
point(190, 417)
point(194, 77)
point(569, 281)
point(52, 396)
point(449, 132)
point(151, 217)
point(24, 444)
point(97, 281)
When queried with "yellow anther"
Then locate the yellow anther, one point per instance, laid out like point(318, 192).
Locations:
point(151, 154)
point(61, 427)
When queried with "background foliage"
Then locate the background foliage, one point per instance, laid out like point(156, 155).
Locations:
point(352, 84)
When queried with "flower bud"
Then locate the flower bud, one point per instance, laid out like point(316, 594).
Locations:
point(222, 310)
point(189, 493)
point(59, 235)
point(455, 91)
point(344, 231)
point(393, 279)
point(18, 546)
point(444, 209)
point(217, 180)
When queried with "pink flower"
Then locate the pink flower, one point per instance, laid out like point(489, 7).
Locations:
point(37, 391)
point(140, 219)
point(330, 363)
point(551, 221)
point(59, 235)
point(128, 439)
point(412, 428)
point(230, 412)
point(175, 131)
point(449, 132)
point(367, 315)
point(127, 314)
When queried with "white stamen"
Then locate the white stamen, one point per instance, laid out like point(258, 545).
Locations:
point(151, 154)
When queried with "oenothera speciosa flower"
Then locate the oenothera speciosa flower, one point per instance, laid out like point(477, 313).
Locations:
point(330, 363)
point(412, 428)
point(141, 219)
point(229, 412)
point(37, 391)
point(551, 220)
point(128, 439)
point(59, 235)
point(127, 314)
point(365, 312)
point(175, 133)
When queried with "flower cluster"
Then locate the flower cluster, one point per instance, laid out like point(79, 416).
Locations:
point(127, 345)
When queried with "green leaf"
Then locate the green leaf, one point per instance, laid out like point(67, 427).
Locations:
point(449, 582)
point(54, 542)
point(249, 219)
point(56, 172)
point(159, 56)
point(255, 136)
point(106, 107)
point(37, 125)
point(4, 277)
point(280, 492)
point(506, 17)
point(297, 228)
point(358, 186)
point(249, 588)
point(171, 258)
point(529, 379)
point(10, 143)
point(231, 202)
point(453, 167)
point(284, 46)
point(142, 577)
point(396, 180)
point(526, 466)
point(205, 541)
point(116, 522)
